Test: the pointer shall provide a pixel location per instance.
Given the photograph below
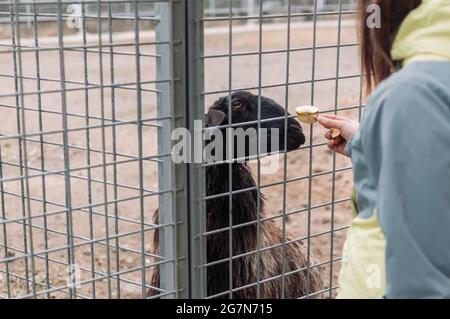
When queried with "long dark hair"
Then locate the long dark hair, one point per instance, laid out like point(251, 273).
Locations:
point(376, 43)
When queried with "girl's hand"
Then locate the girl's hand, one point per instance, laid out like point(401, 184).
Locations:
point(347, 127)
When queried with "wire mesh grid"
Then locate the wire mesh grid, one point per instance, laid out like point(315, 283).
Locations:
point(89, 99)
point(47, 10)
point(79, 156)
point(302, 209)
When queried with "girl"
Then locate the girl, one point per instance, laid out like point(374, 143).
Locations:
point(398, 245)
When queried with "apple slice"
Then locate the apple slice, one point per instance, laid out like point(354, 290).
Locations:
point(335, 133)
point(307, 114)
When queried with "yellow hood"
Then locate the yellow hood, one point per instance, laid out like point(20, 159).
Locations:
point(425, 33)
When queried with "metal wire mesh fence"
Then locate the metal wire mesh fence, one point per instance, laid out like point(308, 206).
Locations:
point(297, 58)
point(78, 151)
point(247, 7)
point(48, 10)
point(90, 97)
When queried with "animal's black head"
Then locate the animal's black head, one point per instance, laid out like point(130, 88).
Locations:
point(244, 109)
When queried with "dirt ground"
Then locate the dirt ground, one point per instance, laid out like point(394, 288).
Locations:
point(92, 229)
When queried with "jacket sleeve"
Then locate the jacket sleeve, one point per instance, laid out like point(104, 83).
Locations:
point(349, 147)
point(406, 141)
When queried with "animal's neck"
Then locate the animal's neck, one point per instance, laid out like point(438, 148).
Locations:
point(244, 209)
point(245, 206)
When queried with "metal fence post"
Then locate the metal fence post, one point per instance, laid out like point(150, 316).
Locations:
point(320, 5)
point(180, 99)
point(172, 207)
point(165, 166)
point(251, 9)
point(196, 108)
point(212, 7)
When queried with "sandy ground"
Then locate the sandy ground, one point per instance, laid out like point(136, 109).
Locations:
point(92, 231)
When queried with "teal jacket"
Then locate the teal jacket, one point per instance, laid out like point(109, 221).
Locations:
point(398, 245)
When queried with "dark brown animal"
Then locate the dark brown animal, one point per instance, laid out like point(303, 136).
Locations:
point(299, 279)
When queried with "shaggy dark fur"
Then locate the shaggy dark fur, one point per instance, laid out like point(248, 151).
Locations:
point(244, 210)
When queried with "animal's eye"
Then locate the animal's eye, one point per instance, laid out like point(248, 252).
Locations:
point(237, 105)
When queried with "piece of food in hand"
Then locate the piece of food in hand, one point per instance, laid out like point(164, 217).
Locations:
point(335, 133)
point(307, 114)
